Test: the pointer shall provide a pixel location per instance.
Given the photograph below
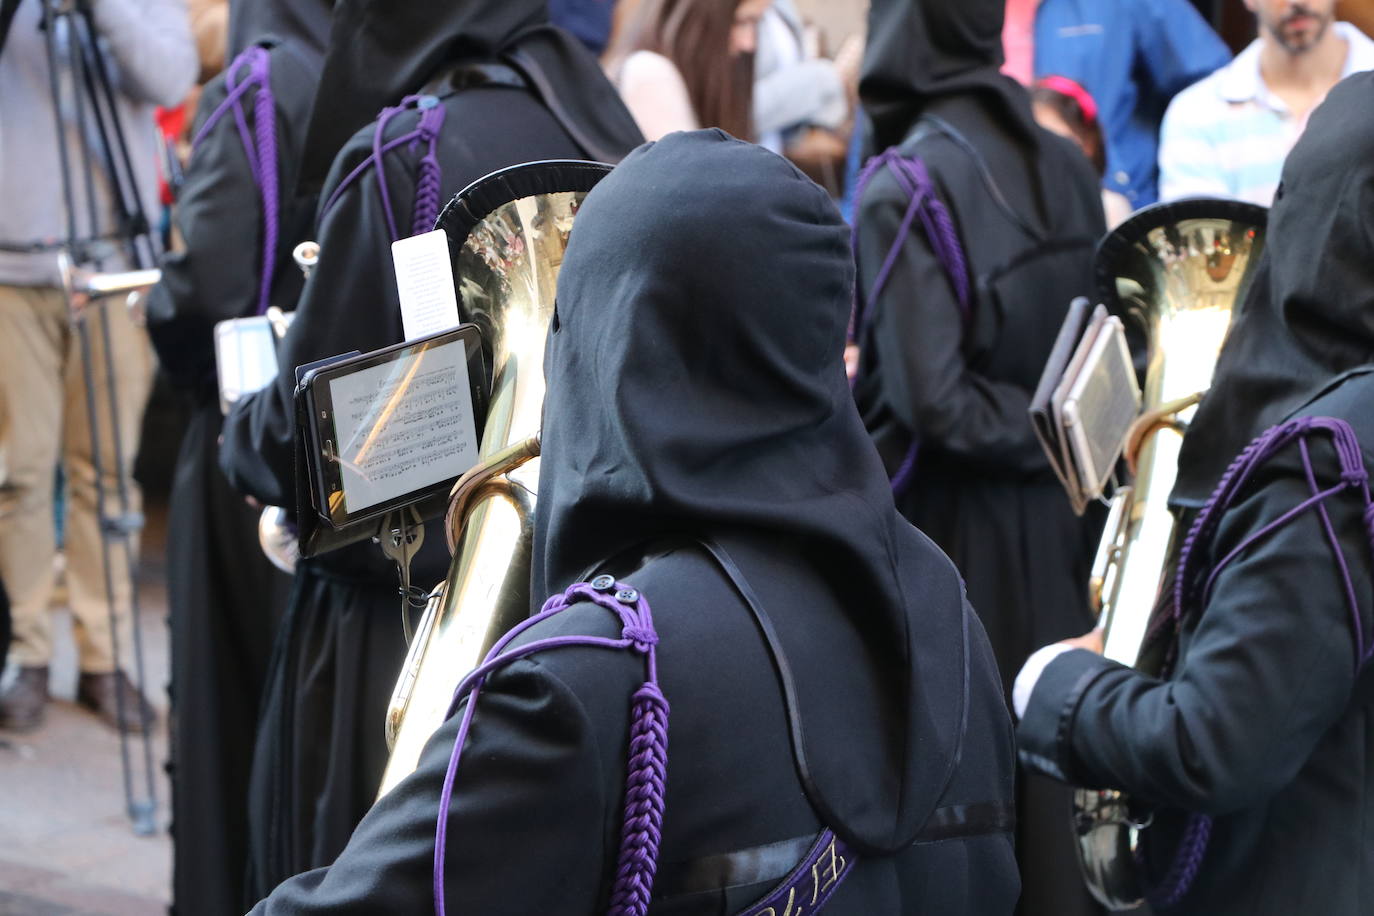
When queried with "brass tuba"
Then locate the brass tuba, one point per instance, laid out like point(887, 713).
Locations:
point(1175, 273)
point(507, 233)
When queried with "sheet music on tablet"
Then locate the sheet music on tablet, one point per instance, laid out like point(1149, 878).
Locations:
point(1086, 401)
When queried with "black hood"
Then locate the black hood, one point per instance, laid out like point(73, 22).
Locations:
point(696, 385)
point(305, 22)
point(383, 50)
point(921, 50)
point(1310, 312)
point(943, 57)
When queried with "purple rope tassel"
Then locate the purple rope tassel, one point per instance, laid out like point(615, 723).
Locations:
point(1193, 847)
point(647, 769)
point(914, 178)
point(426, 207)
point(260, 147)
point(644, 798)
point(427, 182)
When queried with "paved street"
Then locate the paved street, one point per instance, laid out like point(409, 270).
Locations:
point(67, 847)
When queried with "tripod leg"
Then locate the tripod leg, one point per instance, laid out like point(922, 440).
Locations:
point(93, 423)
point(123, 529)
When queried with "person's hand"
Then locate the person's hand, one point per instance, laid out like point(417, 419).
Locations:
point(1092, 641)
point(851, 360)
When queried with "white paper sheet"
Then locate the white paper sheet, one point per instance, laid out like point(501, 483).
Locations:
point(424, 280)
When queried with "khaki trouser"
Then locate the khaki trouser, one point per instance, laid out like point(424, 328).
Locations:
point(44, 421)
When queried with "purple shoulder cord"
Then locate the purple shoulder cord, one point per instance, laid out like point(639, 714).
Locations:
point(427, 183)
point(1188, 859)
point(260, 147)
point(912, 175)
point(647, 769)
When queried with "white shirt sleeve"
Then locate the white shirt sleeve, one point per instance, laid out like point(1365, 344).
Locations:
point(1026, 679)
point(656, 95)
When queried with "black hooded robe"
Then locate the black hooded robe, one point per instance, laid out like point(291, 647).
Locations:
point(696, 385)
point(982, 487)
point(1266, 719)
point(1267, 723)
point(224, 597)
point(321, 748)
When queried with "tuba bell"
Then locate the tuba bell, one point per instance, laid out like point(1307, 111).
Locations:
point(1175, 273)
point(507, 234)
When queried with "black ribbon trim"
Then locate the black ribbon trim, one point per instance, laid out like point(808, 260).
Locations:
point(774, 861)
point(959, 822)
point(770, 862)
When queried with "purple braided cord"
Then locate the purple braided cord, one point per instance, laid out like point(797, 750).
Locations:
point(427, 182)
point(1186, 864)
point(265, 127)
point(260, 147)
point(1193, 847)
point(642, 830)
point(912, 175)
point(646, 776)
point(914, 178)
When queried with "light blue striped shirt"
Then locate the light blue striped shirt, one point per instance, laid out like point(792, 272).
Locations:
point(1227, 135)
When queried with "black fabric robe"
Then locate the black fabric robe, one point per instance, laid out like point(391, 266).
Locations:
point(982, 488)
point(224, 597)
point(696, 384)
point(1264, 724)
point(321, 750)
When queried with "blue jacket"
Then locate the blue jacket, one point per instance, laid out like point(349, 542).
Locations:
point(1133, 56)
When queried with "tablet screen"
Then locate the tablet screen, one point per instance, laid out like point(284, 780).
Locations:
point(403, 425)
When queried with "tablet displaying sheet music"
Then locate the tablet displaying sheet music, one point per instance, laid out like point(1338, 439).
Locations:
point(394, 427)
point(1086, 401)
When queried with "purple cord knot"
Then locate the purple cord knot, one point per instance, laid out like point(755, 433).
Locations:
point(642, 637)
point(425, 210)
point(1354, 476)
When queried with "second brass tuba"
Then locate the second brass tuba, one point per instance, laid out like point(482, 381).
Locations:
point(507, 233)
point(1175, 273)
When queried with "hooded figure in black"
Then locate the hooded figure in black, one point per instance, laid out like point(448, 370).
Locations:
point(1263, 722)
point(701, 444)
point(510, 89)
point(943, 385)
point(224, 597)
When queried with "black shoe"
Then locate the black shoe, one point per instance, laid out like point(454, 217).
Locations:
point(23, 705)
point(110, 694)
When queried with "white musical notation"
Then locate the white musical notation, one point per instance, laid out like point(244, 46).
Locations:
point(403, 426)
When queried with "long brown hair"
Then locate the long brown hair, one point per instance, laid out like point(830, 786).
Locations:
point(695, 36)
